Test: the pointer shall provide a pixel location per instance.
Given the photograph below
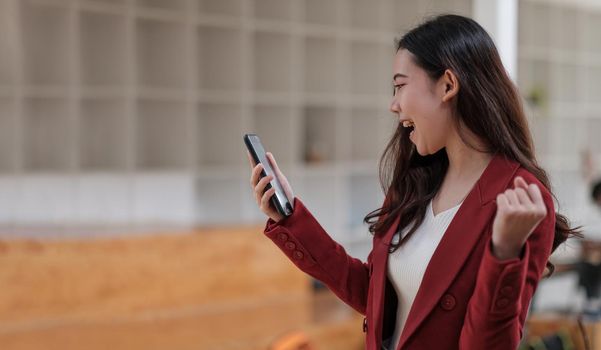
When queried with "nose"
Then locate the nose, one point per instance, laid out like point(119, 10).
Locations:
point(394, 105)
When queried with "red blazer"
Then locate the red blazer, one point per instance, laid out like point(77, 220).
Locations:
point(468, 299)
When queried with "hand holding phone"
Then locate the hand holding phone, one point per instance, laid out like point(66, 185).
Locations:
point(271, 188)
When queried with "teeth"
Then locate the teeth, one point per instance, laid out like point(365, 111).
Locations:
point(408, 123)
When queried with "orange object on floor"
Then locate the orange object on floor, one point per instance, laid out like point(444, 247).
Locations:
point(292, 341)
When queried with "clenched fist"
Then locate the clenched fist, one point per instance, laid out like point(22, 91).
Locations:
point(519, 211)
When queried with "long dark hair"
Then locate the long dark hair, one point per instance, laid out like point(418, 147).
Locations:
point(488, 104)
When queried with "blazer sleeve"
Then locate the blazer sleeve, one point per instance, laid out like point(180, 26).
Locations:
point(312, 250)
point(498, 308)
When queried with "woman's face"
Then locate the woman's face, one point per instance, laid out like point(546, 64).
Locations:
point(419, 101)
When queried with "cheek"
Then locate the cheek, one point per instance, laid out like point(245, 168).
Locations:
point(419, 105)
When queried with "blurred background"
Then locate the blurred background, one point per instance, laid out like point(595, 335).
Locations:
point(126, 216)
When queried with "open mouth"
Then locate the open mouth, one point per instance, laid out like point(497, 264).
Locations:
point(410, 126)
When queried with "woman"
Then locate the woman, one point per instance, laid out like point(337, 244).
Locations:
point(468, 222)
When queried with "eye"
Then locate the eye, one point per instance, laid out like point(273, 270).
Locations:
point(396, 87)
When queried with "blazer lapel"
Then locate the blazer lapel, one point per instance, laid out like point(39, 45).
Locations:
point(380, 260)
point(464, 231)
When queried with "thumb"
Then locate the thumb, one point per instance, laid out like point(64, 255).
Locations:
point(520, 182)
point(274, 164)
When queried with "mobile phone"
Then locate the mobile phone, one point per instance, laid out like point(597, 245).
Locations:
point(279, 199)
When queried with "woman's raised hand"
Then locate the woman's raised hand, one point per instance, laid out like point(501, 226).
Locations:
point(519, 211)
point(262, 197)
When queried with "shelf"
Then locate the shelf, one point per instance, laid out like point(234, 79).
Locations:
point(46, 44)
point(8, 133)
point(319, 135)
point(107, 2)
point(274, 125)
point(402, 16)
point(161, 54)
point(592, 90)
point(103, 49)
point(436, 7)
point(388, 126)
point(365, 14)
point(568, 83)
point(365, 196)
point(219, 199)
point(566, 184)
point(103, 135)
point(592, 134)
point(165, 198)
point(8, 46)
point(321, 12)
point(541, 134)
point(103, 199)
point(280, 10)
point(173, 5)
point(364, 134)
point(370, 80)
point(535, 78)
point(106, 7)
point(591, 30)
point(319, 194)
point(47, 135)
point(534, 32)
point(162, 136)
point(220, 135)
point(272, 75)
point(222, 7)
point(44, 199)
point(320, 65)
point(568, 135)
point(564, 31)
point(219, 58)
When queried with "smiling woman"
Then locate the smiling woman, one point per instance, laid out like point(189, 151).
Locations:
point(468, 222)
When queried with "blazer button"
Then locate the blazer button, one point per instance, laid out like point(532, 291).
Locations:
point(298, 255)
point(448, 302)
point(503, 302)
point(290, 245)
point(364, 324)
point(283, 237)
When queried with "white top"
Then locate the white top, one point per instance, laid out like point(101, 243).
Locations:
point(406, 266)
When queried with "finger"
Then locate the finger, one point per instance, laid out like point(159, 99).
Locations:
point(260, 187)
point(524, 198)
point(274, 164)
point(265, 200)
point(535, 193)
point(537, 197)
point(256, 173)
point(519, 182)
point(283, 179)
point(502, 202)
point(512, 198)
point(276, 169)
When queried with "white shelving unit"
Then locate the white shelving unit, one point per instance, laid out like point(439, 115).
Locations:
point(103, 137)
point(133, 111)
point(559, 60)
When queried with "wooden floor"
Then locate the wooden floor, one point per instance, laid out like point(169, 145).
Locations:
point(545, 324)
point(204, 289)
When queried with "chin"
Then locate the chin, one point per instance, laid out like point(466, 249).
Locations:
point(421, 152)
point(425, 153)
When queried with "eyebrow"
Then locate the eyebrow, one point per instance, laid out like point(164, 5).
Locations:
point(399, 75)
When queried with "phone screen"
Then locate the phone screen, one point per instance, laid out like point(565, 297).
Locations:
point(259, 152)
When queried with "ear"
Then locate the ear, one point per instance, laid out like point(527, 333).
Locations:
point(450, 85)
